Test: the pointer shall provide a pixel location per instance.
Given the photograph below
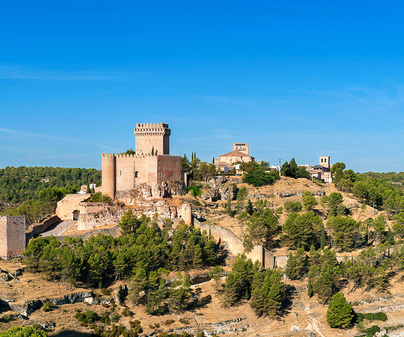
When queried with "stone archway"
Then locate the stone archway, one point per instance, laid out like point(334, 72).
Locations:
point(76, 214)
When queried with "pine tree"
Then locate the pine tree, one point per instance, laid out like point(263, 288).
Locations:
point(197, 260)
point(249, 208)
point(273, 301)
point(290, 270)
point(339, 313)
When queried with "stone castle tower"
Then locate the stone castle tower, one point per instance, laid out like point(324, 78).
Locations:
point(153, 138)
point(151, 164)
point(12, 236)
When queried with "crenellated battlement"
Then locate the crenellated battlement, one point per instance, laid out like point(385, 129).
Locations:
point(131, 155)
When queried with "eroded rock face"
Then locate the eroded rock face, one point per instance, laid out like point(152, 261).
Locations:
point(227, 191)
point(216, 181)
point(285, 194)
point(30, 306)
point(149, 192)
point(210, 194)
point(219, 188)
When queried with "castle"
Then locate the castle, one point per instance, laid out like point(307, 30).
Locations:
point(151, 163)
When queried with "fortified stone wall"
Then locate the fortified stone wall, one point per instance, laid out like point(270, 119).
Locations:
point(3, 236)
point(121, 172)
point(236, 246)
point(12, 236)
point(125, 171)
point(168, 168)
point(69, 204)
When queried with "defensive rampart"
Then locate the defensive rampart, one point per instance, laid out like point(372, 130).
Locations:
point(235, 245)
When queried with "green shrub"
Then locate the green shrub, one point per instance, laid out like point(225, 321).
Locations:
point(372, 331)
point(26, 331)
point(195, 190)
point(126, 312)
point(292, 206)
point(6, 318)
point(48, 306)
point(99, 197)
point(88, 317)
point(376, 316)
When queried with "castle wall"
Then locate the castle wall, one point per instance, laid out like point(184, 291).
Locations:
point(151, 170)
point(70, 203)
point(125, 171)
point(236, 246)
point(169, 168)
point(12, 236)
point(108, 174)
point(3, 236)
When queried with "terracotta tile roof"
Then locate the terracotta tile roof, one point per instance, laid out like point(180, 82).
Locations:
point(235, 154)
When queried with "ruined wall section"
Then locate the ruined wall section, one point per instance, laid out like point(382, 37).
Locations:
point(12, 236)
point(69, 204)
point(236, 246)
point(98, 214)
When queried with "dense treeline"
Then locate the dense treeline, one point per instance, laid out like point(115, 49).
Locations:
point(374, 189)
point(43, 204)
point(372, 268)
point(391, 177)
point(258, 174)
point(18, 184)
point(291, 169)
point(143, 253)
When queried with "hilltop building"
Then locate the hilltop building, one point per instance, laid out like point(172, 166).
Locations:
point(239, 153)
point(12, 236)
point(151, 164)
point(322, 170)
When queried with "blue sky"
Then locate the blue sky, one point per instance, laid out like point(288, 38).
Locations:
point(291, 78)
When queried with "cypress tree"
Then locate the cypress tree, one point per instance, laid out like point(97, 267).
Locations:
point(229, 210)
point(309, 288)
point(322, 239)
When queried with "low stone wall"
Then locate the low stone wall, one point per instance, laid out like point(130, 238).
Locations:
point(36, 229)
